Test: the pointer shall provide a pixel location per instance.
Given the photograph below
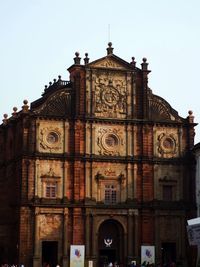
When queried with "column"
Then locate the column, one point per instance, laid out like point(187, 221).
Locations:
point(87, 235)
point(65, 179)
point(129, 83)
point(134, 181)
point(88, 138)
point(65, 238)
point(130, 183)
point(92, 142)
point(129, 141)
point(94, 241)
point(87, 180)
point(130, 233)
point(136, 241)
point(66, 137)
point(36, 258)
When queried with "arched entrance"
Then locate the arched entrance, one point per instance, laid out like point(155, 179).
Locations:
point(110, 242)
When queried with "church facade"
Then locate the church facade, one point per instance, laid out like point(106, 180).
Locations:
point(97, 161)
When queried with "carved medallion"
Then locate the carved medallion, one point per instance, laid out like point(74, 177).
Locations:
point(109, 141)
point(167, 144)
point(110, 97)
point(50, 138)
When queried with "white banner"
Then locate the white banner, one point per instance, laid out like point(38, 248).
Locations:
point(193, 232)
point(148, 254)
point(77, 256)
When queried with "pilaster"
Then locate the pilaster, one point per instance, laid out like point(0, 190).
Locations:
point(36, 257)
point(65, 238)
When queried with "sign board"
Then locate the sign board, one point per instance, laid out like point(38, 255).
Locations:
point(148, 254)
point(193, 221)
point(77, 256)
point(193, 232)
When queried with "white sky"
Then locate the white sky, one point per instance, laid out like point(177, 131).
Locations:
point(38, 39)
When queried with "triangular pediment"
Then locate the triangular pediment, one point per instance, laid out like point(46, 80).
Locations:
point(112, 62)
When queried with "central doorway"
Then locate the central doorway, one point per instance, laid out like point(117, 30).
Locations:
point(50, 253)
point(110, 242)
point(168, 252)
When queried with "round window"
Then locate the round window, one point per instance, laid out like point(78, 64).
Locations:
point(111, 140)
point(168, 143)
point(52, 138)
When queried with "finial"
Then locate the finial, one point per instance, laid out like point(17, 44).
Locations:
point(110, 48)
point(190, 117)
point(77, 59)
point(59, 77)
point(54, 80)
point(144, 64)
point(25, 106)
point(133, 62)
point(14, 111)
point(5, 118)
point(46, 86)
point(50, 83)
point(86, 59)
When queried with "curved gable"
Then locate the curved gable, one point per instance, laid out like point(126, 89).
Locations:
point(160, 109)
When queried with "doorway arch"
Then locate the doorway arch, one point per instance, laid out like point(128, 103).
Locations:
point(110, 242)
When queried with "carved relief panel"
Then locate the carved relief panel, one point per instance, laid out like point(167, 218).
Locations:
point(166, 143)
point(109, 94)
point(110, 140)
point(50, 226)
point(50, 137)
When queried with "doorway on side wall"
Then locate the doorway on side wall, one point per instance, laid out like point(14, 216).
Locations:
point(168, 252)
point(50, 253)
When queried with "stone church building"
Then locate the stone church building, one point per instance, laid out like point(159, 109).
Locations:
point(98, 161)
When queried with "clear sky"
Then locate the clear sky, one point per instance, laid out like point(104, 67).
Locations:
point(38, 39)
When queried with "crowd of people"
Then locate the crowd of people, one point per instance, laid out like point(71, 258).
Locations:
point(144, 264)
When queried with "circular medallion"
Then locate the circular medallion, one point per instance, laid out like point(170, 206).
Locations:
point(110, 96)
point(167, 144)
point(52, 137)
point(110, 142)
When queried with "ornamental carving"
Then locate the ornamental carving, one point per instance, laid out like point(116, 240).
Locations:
point(50, 225)
point(50, 138)
point(167, 144)
point(110, 97)
point(161, 110)
point(58, 104)
point(50, 174)
point(109, 142)
point(109, 63)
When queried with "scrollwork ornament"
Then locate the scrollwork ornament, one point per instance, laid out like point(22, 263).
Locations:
point(50, 138)
point(110, 96)
point(167, 144)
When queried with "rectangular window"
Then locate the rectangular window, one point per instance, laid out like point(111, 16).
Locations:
point(167, 192)
point(51, 190)
point(110, 194)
